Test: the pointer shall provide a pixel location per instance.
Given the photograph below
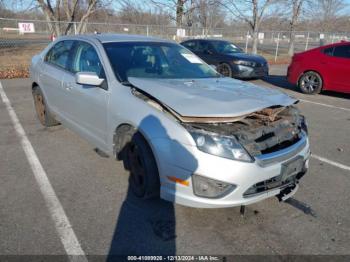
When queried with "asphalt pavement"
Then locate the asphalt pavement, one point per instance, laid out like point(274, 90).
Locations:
point(106, 219)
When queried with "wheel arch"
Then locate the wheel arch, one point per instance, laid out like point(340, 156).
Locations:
point(117, 147)
point(119, 130)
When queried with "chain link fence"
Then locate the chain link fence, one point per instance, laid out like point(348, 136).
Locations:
point(17, 47)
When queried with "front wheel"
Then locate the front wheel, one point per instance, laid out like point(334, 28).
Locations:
point(225, 69)
point(139, 160)
point(42, 111)
point(310, 83)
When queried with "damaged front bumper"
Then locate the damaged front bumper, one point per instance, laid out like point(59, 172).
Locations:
point(268, 179)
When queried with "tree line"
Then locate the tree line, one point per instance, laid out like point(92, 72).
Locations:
point(249, 15)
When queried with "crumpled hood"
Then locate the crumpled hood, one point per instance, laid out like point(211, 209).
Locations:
point(211, 97)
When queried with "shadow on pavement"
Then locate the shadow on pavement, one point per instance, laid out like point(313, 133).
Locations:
point(282, 82)
point(336, 94)
point(148, 226)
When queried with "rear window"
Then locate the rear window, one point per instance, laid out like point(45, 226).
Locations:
point(342, 51)
point(328, 51)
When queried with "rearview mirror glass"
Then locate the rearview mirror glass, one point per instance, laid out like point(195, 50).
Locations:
point(88, 78)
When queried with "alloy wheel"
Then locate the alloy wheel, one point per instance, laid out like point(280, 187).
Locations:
point(225, 70)
point(310, 82)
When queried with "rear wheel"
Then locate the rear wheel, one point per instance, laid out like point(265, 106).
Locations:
point(139, 160)
point(225, 69)
point(42, 111)
point(310, 83)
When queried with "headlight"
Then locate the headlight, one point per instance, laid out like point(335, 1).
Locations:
point(245, 63)
point(210, 188)
point(222, 146)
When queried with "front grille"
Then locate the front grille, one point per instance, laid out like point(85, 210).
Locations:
point(272, 183)
point(283, 153)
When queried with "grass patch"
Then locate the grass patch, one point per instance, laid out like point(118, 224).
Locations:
point(14, 62)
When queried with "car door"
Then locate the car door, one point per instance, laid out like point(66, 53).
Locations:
point(335, 67)
point(51, 74)
point(341, 63)
point(87, 104)
point(206, 51)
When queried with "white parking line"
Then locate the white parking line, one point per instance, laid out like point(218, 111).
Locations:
point(59, 217)
point(331, 162)
point(326, 105)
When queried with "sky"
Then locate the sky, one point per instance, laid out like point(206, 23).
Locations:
point(20, 5)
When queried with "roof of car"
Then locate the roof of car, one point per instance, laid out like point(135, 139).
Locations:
point(105, 38)
point(207, 39)
point(342, 42)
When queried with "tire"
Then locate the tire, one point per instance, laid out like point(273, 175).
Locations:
point(225, 69)
point(310, 83)
point(139, 161)
point(42, 111)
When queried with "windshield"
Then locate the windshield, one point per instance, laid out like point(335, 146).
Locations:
point(155, 60)
point(223, 47)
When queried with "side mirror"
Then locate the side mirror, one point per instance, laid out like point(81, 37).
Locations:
point(88, 78)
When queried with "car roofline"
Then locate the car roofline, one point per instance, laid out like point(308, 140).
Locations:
point(108, 38)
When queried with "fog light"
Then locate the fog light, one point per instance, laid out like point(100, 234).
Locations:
point(210, 188)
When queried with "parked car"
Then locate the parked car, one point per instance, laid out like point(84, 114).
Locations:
point(182, 130)
point(229, 59)
point(323, 68)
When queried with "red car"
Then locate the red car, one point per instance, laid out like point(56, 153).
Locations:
point(323, 68)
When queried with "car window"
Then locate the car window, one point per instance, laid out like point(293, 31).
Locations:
point(192, 45)
point(328, 51)
point(59, 54)
point(203, 46)
point(342, 51)
point(86, 59)
point(223, 47)
point(155, 60)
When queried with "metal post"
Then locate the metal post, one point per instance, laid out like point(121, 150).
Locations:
point(307, 41)
point(277, 45)
point(246, 42)
point(75, 28)
point(242, 211)
point(147, 30)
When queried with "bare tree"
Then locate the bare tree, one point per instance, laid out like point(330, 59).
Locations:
point(67, 10)
point(134, 13)
point(208, 13)
point(295, 14)
point(327, 12)
point(250, 11)
point(182, 9)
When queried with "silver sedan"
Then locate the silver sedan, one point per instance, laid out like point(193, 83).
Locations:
point(184, 132)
